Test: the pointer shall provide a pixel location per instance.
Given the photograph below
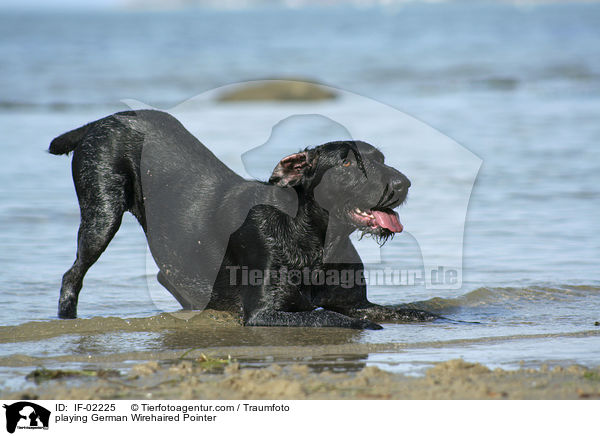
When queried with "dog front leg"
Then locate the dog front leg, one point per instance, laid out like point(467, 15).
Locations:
point(314, 318)
point(391, 313)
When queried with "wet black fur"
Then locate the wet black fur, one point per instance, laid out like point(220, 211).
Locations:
point(335, 178)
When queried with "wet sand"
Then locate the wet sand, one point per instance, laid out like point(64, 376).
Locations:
point(455, 379)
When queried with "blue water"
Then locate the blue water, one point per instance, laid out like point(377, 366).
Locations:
point(518, 87)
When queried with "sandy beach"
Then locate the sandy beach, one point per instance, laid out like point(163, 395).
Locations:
point(190, 379)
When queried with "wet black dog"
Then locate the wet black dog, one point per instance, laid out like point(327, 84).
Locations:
point(277, 253)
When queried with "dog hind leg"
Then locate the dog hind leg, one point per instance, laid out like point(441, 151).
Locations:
point(101, 217)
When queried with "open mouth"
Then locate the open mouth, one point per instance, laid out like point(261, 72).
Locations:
point(382, 218)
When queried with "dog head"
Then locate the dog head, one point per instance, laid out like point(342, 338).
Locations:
point(350, 180)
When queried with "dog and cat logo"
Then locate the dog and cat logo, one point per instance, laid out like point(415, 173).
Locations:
point(26, 415)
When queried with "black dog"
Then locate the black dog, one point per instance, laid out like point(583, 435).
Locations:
point(277, 253)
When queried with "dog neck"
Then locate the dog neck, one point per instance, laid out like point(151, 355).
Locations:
point(333, 233)
point(311, 215)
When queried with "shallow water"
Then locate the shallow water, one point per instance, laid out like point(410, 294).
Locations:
point(519, 87)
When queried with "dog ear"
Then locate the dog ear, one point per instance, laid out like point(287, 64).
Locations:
point(290, 170)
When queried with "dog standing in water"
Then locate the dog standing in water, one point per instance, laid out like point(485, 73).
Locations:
point(206, 225)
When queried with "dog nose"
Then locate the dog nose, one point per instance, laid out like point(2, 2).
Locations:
point(401, 183)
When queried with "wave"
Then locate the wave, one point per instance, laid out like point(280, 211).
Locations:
point(496, 296)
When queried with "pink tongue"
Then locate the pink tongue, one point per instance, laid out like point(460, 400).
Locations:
point(388, 220)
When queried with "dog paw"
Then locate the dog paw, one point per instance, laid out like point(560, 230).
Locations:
point(413, 315)
point(368, 325)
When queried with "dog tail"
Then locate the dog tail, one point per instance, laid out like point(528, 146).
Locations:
point(67, 142)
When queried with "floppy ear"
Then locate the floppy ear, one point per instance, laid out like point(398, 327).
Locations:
point(290, 170)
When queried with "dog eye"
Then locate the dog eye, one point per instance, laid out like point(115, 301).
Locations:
point(347, 163)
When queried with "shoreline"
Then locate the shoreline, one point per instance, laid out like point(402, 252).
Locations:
point(211, 356)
